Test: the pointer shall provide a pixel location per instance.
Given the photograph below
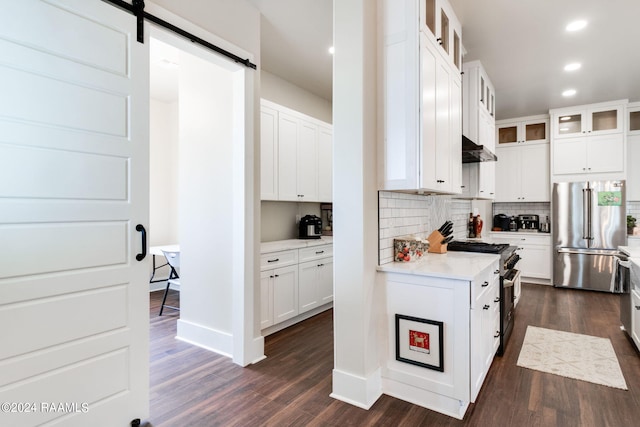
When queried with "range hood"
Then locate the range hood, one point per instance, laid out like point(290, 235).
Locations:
point(474, 153)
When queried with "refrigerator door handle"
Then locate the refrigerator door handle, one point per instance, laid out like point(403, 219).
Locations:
point(586, 208)
point(608, 252)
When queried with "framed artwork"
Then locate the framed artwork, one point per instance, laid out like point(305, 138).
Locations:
point(420, 342)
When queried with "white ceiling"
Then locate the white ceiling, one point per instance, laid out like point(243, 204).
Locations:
point(521, 43)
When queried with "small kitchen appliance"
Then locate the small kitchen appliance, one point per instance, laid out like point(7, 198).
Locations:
point(310, 227)
point(501, 221)
point(528, 223)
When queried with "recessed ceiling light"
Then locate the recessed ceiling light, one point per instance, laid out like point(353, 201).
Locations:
point(569, 92)
point(331, 50)
point(565, 118)
point(573, 66)
point(576, 25)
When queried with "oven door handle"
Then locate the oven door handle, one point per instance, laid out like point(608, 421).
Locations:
point(509, 282)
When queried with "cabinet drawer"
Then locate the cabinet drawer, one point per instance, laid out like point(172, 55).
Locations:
point(315, 252)
point(535, 239)
point(278, 259)
point(485, 282)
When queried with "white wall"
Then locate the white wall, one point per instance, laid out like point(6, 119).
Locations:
point(357, 311)
point(206, 192)
point(235, 26)
point(291, 96)
point(163, 171)
point(279, 219)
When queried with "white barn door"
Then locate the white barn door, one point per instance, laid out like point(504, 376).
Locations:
point(73, 186)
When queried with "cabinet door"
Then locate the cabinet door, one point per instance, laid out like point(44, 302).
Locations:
point(633, 171)
point(605, 120)
point(325, 281)
point(508, 174)
point(307, 162)
point(443, 127)
point(534, 170)
point(455, 144)
point(508, 133)
point(308, 279)
point(569, 156)
point(287, 157)
point(536, 261)
point(266, 299)
point(487, 180)
point(535, 131)
point(635, 317)
point(325, 165)
point(285, 293)
point(605, 153)
point(268, 154)
point(429, 65)
point(569, 124)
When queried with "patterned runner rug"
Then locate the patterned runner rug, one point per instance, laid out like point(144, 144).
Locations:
point(582, 357)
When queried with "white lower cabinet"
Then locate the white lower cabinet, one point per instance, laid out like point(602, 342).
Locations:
point(469, 311)
point(635, 317)
point(485, 326)
point(294, 282)
point(534, 250)
point(280, 287)
point(315, 284)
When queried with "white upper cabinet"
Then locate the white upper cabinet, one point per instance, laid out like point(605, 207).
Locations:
point(589, 141)
point(478, 118)
point(600, 119)
point(440, 24)
point(633, 152)
point(268, 153)
point(421, 107)
point(296, 156)
point(522, 173)
point(527, 130)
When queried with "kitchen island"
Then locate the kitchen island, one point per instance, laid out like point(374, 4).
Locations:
point(451, 302)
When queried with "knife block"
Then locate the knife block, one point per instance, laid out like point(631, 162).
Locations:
point(435, 245)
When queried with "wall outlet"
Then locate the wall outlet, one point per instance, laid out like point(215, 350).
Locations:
point(298, 217)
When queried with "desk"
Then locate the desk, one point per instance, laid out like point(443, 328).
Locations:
point(157, 251)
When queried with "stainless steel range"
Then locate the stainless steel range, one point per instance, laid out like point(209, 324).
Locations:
point(509, 276)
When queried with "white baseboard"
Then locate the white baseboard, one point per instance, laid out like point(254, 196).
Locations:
point(207, 338)
point(299, 318)
point(355, 390)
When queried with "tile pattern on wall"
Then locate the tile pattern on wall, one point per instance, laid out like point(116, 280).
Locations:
point(633, 209)
point(542, 209)
point(403, 214)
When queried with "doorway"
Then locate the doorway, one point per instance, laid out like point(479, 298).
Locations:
point(198, 190)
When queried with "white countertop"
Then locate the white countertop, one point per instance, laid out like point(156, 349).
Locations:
point(286, 245)
point(452, 265)
point(631, 251)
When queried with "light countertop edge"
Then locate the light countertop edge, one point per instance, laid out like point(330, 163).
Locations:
point(290, 244)
point(452, 265)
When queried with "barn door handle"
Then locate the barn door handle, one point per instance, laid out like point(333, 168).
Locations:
point(141, 229)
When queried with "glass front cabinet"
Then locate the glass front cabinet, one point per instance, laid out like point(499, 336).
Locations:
point(590, 121)
point(522, 130)
point(437, 20)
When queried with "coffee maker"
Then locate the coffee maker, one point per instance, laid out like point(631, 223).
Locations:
point(310, 227)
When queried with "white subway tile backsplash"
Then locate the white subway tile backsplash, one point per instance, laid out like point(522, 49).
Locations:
point(404, 214)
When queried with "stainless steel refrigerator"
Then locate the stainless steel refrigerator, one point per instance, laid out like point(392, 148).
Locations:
point(589, 223)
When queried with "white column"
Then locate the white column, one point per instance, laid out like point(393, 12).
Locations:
point(356, 375)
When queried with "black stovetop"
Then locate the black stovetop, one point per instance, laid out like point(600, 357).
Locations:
point(487, 248)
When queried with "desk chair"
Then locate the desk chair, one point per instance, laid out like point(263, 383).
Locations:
point(173, 258)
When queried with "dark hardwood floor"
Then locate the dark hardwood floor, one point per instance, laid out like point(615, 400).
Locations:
point(193, 387)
